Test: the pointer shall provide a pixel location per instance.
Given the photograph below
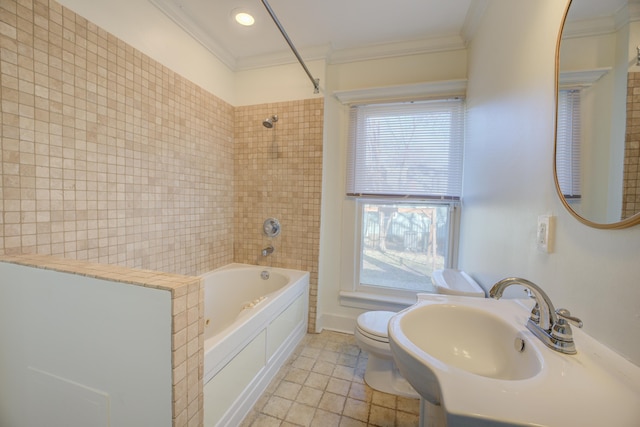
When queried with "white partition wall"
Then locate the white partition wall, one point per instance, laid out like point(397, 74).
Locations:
point(80, 351)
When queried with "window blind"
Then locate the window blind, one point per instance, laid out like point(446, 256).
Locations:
point(412, 149)
point(568, 143)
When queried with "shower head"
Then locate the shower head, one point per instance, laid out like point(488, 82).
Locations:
point(268, 122)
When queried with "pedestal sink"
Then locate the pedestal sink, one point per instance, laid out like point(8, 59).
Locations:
point(473, 340)
point(475, 359)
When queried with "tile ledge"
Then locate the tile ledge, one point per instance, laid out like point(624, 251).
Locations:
point(115, 273)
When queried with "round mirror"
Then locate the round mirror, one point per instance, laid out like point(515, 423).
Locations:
point(597, 150)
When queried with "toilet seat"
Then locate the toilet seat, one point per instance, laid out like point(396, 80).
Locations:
point(374, 325)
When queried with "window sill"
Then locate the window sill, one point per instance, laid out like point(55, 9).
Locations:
point(370, 301)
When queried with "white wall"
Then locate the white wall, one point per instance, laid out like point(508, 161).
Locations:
point(78, 351)
point(279, 84)
point(509, 182)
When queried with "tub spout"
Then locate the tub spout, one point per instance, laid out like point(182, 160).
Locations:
point(268, 250)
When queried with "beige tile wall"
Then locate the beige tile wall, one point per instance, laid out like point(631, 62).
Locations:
point(279, 174)
point(631, 195)
point(107, 155)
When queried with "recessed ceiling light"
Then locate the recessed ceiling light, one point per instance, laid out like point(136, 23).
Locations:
point(243, 18)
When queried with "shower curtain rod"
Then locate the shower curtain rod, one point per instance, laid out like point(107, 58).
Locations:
point(316, 82)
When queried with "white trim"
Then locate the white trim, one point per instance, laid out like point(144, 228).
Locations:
point(582, 78)
point(390, 50)
point(283, 57)
point(473, 19)
point(370, 301)
point(337, 322)
point(404, 92)
point(177, 15)
point(603, 24)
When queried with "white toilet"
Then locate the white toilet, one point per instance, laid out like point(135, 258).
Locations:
point(371, 334)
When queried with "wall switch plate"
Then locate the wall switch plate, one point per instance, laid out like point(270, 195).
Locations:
point(545, 232)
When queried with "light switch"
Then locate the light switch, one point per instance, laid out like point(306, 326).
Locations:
point(544, 233)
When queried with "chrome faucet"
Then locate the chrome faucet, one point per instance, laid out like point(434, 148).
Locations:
point(268, 250)
point(546, 323)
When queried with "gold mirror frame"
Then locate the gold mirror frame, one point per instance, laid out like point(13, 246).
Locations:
point(627, 222)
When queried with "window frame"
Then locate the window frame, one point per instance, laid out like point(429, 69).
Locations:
point(352, 292)
point(452, 241)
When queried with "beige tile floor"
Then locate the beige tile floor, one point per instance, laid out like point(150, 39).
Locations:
point(322, 385)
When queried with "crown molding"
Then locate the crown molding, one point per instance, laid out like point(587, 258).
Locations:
point(282, 57)
point(366, 53)
point(389, 50)
point(177, 15)
point(472, 20)
point(602, 25)
point(589, 27)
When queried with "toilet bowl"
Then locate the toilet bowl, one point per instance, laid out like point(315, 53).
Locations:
point(371, 334)
point(381, 372)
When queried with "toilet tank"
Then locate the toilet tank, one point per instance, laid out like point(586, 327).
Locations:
point(455, 282)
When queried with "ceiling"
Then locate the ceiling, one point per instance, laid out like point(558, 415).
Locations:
point(336, 30)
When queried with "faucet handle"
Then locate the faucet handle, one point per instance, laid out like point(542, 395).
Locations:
point(561, 331)
point(565, 314)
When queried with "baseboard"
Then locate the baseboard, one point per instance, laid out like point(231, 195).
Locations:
point(336, 322)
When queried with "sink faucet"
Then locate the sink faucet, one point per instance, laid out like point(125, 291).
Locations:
point(268, 250)
point(546, 323)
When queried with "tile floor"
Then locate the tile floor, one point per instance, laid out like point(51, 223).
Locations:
point(322, 385)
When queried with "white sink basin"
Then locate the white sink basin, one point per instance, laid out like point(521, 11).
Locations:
point(471, 339)
point(466, 354)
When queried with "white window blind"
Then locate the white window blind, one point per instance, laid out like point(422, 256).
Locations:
point(568, 143)
point(412, 149)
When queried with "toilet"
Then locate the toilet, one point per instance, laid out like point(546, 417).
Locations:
point(371, 334)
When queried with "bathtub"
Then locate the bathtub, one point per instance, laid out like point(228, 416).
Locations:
point(254, 318)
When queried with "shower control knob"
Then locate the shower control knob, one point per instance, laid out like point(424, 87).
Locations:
point(271, 227)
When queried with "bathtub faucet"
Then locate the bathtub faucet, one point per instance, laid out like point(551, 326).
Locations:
point(268, 250)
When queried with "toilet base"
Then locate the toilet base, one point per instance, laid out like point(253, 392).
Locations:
point(383, 375)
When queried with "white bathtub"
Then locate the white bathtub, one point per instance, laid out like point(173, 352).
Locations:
point(252, 325)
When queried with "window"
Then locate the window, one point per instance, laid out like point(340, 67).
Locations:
point(405, 171)
point(568, 143)
point(402, 242)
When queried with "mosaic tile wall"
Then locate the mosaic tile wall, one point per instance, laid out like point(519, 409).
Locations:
point(279, 174)
point(631, 195)
point(108, 156)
